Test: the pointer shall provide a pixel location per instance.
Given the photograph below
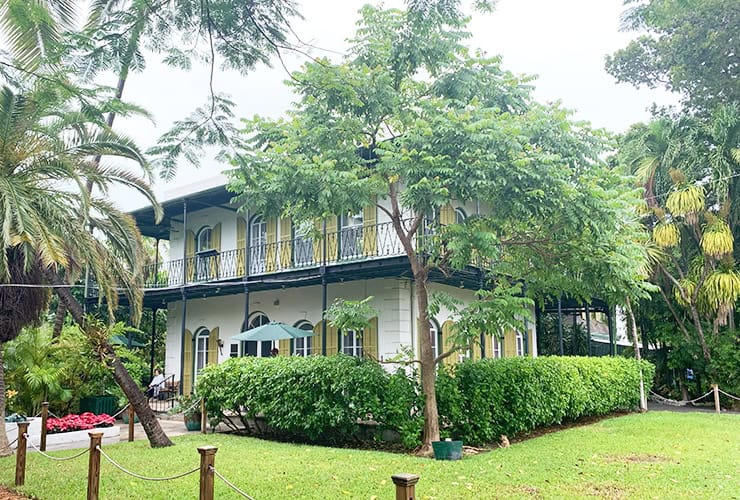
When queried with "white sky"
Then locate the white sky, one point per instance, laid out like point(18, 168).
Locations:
point(563, 42)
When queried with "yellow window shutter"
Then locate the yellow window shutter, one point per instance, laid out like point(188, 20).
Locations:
point(213, 347)
point(489, 345)
point(370, 230)
point(530, 343)
point(318, 242)
point(216, 245)
point(331, 340)
point(187, 366)
point(189, 255)
point(510, 344)
point(284, 347)
point(270, 253)
point(241, 244)
point(316, 339)
point(332, 238)
point(447, 343)
point(370, 340)
point(475, 351)
point(286, 244)
point(447, 215)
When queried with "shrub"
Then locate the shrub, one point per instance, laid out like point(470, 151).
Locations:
point(517, 395)
point(324, 398)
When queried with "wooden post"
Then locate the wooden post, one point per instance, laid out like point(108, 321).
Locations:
point(203, 416)
point(20, 454)
point(405, 485)
point(93, 466)
point(207, 458)
point(131, 418)
point(44, 418)
point(715, 388)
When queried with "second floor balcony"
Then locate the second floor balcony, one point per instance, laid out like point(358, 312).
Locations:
point(348, 244)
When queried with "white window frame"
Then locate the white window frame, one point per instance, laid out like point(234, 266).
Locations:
point(460, 215)
point(434, 336)
point(254, 323)
point(257, 244)
point(302, 240)
point(350, 230)
point(200, 340)
point(352, 344)
point(303, 346)
point(519, 344)
point(496, 346)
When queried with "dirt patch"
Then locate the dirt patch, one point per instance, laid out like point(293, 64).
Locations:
point(605, 491)
point(529, 490)
point(7, 494)
point(636, 459)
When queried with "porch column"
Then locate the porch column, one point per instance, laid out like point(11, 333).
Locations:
point(588, 328)
point(560, 325)
point(156, 263)
point(575, 329)
point(323, 311)
point(182, 334)
point(184, 241)
point(612, 347)
point(154, 333)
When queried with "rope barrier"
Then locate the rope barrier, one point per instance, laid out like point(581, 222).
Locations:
point(197, 403)
point(139, 476)
point(230, 484)
point(729, 395)
point(58, 459)
point(10, 444)
point(121, 410)
point(673, 402)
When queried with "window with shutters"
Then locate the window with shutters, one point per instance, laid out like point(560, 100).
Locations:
point(352, 344)
point(200, 351)
point(460, 215)
point(496, 347)
point(350, 240)
point(255, 348)
point(302, 346)
point(204, 253)
point(257, 245)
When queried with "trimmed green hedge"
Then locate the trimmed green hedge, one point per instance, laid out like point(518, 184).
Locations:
point(323, 398)
point(511, 396)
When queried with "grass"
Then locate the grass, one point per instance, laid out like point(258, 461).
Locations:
point(657, 454)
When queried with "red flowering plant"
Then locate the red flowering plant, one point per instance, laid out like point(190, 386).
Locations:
point(80, 422)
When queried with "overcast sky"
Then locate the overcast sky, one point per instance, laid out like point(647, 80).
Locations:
point(562, 42)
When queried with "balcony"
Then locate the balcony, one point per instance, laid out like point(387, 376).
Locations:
point(346, 245)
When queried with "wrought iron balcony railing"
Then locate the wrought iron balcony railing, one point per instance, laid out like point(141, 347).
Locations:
point(345, 245)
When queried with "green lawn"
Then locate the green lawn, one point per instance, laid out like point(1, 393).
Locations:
point(654, 455)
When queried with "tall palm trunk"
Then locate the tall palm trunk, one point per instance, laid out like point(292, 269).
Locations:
point(137, 399)
point(5, 449)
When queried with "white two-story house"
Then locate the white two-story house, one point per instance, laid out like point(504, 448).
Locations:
point(229, 271)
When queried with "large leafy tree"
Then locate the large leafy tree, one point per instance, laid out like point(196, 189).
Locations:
point(688, 168)
point(412, 121)
point(47, 145)
point(687, 46)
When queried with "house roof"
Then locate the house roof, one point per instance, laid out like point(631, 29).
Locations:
point(209, 195)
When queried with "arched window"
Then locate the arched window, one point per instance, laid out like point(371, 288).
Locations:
point(200, 350)
point(254, 348)
point(205, 239)
point(303, 346)
point(257, 244)
point(460, 215)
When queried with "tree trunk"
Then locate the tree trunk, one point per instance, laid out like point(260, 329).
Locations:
point(5, 449)
point(700, 332)
point(428, 367)
point(636, 343)
point(157, 437)
point(61, 313)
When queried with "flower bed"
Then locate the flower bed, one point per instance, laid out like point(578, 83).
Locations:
point(82, 422)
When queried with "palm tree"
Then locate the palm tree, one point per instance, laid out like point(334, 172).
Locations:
point(46, 148)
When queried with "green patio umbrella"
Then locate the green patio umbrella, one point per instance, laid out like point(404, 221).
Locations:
point(123, 340)
point(273, 331)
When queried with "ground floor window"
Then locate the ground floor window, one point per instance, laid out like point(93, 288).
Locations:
point(352, 344)
point(303, 346)
point(257, 349)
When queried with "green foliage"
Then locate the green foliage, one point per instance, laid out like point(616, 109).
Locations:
point(514, 396)
point(323, 398)
point(688, 47)
point(351, 314)
point(314, 398)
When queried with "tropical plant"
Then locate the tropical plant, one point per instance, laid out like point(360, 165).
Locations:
point(46, 149)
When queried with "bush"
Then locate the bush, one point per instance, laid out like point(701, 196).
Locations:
point(517, 395)
point(324, 398)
